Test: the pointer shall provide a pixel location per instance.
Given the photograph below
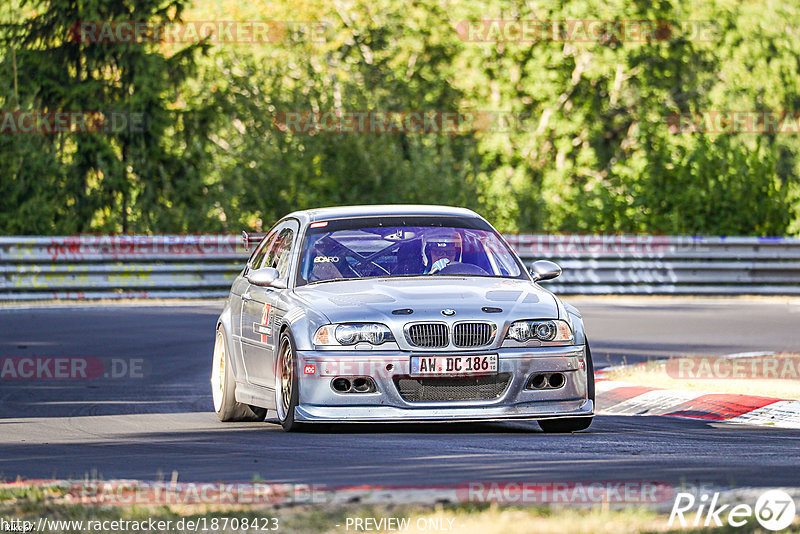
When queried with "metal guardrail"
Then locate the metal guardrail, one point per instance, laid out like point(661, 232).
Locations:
point(203, 266)
point(679, 265)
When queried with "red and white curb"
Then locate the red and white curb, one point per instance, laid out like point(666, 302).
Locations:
point(621, 398)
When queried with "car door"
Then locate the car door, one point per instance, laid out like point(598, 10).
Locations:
point(239, 288)
point(261, 307)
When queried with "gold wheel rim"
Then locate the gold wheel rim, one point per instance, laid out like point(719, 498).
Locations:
point(218, 372)
point(287, 374)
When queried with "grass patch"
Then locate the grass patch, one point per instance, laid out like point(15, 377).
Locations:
point(31, 504)
point(28, 494)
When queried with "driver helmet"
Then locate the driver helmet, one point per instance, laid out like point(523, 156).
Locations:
point(441, 246)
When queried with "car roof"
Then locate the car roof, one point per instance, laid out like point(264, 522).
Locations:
point(379, 210)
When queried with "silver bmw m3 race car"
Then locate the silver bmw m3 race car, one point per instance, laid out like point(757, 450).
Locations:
point(397, 314)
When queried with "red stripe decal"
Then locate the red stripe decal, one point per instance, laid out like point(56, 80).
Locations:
point(719, 407)
point(620, 394)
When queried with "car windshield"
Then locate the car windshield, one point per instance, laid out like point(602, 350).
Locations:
point(368, 248)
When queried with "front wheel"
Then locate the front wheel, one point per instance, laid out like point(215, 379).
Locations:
point(574, 424)
point(287, 390)
point(223, 387)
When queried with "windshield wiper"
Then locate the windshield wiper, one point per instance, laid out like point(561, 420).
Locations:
point(332, 280)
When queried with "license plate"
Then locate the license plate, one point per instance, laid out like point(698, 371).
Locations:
point(453, 365)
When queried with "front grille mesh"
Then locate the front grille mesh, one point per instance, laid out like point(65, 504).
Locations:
point(452, 389)
point(472, 334)
point(428, 335)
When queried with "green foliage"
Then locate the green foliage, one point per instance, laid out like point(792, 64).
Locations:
point(121, 179)
point(598, 154)
point(262, 173)
point(592, 149)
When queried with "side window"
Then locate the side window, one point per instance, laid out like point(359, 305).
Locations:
point(261, 252)
point(280, 252)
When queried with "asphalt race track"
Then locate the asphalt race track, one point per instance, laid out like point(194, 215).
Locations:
point(161, 420)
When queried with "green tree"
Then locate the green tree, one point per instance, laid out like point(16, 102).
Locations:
point(121, 178)
point(377, 56)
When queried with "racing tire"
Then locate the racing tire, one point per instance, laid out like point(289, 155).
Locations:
point(287, 389)
point(223, 387)
point(574, 424)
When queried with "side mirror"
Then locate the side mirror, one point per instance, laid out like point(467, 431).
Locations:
point(266, 277)
point(545, 270)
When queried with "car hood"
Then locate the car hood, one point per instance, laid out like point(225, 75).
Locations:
point(375, 299)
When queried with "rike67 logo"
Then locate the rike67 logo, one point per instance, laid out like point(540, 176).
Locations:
point(774, 510)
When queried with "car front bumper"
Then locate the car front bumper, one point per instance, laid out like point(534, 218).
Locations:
point(318, 402)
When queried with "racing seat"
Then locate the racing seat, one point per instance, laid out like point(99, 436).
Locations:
point(324, 270)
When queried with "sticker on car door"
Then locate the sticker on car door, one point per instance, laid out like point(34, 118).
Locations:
point(263, 327)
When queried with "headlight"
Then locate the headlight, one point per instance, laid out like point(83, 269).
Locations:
point(554, 331)
point(352, 333)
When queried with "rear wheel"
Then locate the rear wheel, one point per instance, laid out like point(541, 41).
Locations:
point(287, 390)
point(223, 387)
point(574, 424)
